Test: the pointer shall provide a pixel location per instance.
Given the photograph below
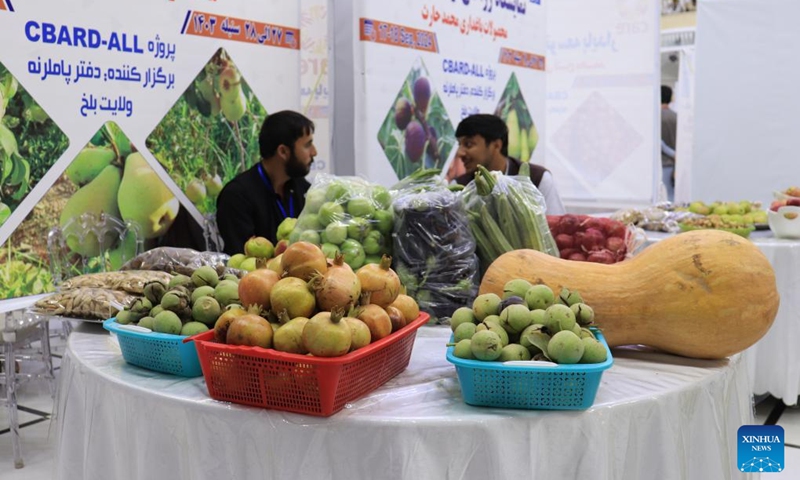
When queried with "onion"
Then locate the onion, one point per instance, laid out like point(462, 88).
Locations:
point(377, 319)
point(339, 287)
point(591, 239)
point(601, 256)
point(616, 245)
point(303, 260)
point(565, 253)
point(569, 224)
point(255, 287)
point(565, 241)
point(380, 282)
point(577, 256)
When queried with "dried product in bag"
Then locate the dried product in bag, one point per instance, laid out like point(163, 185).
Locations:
point(179, 260)
point(131, 281)
point(85, 302)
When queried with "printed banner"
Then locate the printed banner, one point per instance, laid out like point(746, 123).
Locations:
point(602, 104)
point(139, 110)
point(420, 67)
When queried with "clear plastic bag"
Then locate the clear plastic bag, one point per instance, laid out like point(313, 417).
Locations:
point(506, 213)
point(85, 302)
point(434, 249)
point(131, 281)
point(179, 260)
point(348, 215)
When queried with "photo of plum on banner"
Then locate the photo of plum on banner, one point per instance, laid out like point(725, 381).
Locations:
point(210, 135)
point(468, 53)
point(417, 131)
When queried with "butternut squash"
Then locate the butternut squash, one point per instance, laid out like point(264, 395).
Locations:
point(701, 294)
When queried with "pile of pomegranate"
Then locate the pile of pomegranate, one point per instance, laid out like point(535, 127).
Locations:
point(589, 239)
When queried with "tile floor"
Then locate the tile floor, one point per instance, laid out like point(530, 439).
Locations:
point(38, 436)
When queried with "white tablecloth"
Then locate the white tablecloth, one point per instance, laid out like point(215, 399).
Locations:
point(774, 361)
point(655, 416)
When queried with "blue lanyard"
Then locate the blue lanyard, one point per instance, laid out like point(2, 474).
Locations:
point(277, 199)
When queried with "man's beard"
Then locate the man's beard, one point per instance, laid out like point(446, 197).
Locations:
point(296, 169)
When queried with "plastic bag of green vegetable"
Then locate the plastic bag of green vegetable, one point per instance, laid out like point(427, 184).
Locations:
point(506, 213)
point(348, 215)
point(434, 252)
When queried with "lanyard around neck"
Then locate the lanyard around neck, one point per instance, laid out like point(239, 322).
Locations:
point(268, 183)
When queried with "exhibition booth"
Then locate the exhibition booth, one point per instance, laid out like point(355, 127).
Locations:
point(396, 324)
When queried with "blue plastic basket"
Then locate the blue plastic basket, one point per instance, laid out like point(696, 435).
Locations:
point(562, 387)
point(161, 352)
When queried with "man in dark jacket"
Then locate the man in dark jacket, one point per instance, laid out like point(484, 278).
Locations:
point(483, 140)
point(257, 201)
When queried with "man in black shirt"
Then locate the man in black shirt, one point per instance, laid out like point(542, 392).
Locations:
point(257, 201)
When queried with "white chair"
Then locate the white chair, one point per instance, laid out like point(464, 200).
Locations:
point(20, 331)
point(21, 328)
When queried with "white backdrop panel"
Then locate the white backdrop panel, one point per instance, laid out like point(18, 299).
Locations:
point(602, 117)
point(746, 99)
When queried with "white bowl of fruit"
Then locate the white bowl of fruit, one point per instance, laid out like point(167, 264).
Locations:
point(784, 218)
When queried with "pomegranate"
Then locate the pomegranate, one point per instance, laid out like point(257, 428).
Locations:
point(407, 306)
point(361, 336)
point(396, 317)
point(255, 287)
point(325, 335)
point(303, 260)
point(293, 295)
point(380, 282)
point(377, 319)
point(339, 287)
point(224, 321)
point(250, 330)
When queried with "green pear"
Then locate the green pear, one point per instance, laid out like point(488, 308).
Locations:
point(96, 197)
point(145, 199)
point(88, 164)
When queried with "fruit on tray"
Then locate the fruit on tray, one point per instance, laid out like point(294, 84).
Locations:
point(589, 239)
point(718, 221)
point(792, 192)
point(792, 202)
point(317, 305)
point(529, 322)
point(701, 294)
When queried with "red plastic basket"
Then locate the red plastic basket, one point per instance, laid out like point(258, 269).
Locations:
point(300, 383)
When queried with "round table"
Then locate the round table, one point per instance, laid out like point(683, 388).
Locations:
point(653, 413)
point(774, 361)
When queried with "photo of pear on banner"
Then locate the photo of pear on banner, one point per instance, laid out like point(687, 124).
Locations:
point(522, 134)
point(30, 143)
point(108, 176)
point(417, 132)
point(211, 133)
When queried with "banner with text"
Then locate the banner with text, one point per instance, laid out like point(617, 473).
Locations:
point(139, 110)
point(603, 131)
point(420, 67)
